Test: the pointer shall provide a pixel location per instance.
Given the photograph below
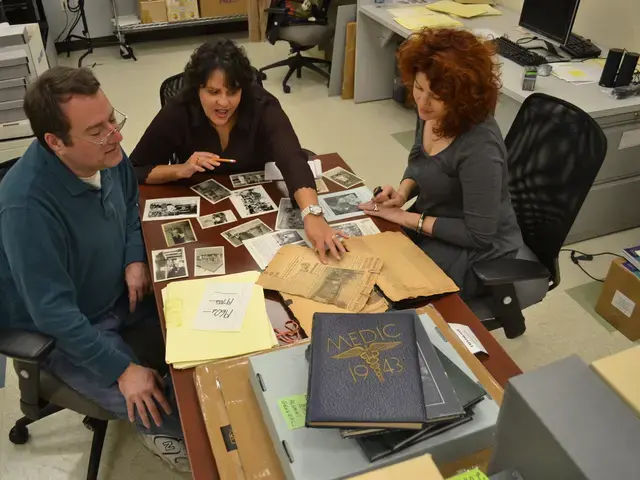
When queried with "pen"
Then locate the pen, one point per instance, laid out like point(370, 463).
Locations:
point(225, 160)
point(376, 191)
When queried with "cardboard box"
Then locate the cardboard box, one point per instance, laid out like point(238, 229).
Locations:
point(223, 8)
point(153, 11)
point(618, 302)
point(239, 438)
point(622, 373)
point(178, 10)
point(420, 467)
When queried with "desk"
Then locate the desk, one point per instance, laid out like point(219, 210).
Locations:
point(619, 178)
point(451, 307)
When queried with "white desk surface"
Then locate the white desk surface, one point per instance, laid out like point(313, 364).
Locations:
point(590, 97)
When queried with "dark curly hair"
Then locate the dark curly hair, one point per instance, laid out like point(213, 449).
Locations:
point(461, 72)
point(223, 55)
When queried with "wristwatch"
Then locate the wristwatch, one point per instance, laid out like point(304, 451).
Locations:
point(315, 210)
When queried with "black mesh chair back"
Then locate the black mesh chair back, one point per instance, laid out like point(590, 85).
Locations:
point(173, 85)
point(555, 152)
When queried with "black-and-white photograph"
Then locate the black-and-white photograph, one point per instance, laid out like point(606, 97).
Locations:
point(216, 219)
point(211, 191)
point(252, 201)
point(246, 179)
point(255, 228)
point(178, 233)
point(171, 208)
point(343, 205)
point(357, 228)
point(342, 177)
point(169, 264)
point(289, 218)
point(287, 237)
point(209, 261)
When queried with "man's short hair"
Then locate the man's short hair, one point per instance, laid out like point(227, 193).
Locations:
point(43, 100)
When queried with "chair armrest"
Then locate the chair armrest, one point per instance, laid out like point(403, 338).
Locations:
point(501, 271)
point(25, 345)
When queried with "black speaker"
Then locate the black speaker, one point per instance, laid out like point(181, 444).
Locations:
point(610, 70)
point(625, 73)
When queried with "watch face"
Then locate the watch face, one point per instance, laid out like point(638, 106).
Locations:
point(315, 210)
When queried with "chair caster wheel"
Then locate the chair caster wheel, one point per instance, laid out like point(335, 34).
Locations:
point(286, 88)
point(19, 435)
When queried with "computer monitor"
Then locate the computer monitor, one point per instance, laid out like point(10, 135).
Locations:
point(550, 18)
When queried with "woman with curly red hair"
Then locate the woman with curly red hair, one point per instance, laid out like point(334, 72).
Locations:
point(457, 167)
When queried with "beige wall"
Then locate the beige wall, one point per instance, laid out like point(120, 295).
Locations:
point(611, 23)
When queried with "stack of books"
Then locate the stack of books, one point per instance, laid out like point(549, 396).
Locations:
point(370, 390)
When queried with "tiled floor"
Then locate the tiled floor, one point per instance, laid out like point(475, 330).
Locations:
point(364, 136)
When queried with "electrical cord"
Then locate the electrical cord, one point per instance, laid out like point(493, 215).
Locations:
point(577, 256)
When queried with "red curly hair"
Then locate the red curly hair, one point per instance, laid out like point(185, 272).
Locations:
point(461, 73)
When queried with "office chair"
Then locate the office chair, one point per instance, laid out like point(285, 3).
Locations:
point(302, 34)
point(171, 86)
point(555, 152)
point(43, 394)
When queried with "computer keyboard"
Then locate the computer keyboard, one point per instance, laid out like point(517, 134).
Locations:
point(579, 47)
point(517, 53)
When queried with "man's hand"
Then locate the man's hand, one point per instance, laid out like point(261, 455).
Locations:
point(198, 162)
point(140, 387)
point(323, 237)
point(136, 275)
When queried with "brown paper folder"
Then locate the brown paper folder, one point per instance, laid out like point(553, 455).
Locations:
point(407, 272)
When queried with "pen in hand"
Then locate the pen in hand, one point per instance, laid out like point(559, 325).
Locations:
point(376, 191)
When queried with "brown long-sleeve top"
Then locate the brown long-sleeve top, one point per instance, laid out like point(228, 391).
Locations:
point(262, 134)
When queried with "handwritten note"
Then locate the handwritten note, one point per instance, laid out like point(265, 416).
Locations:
point(223, 307)
point(294, 410)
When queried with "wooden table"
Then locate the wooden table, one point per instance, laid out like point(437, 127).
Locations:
point(203, 465)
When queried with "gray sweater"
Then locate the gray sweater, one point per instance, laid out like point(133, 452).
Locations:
point(466, 187)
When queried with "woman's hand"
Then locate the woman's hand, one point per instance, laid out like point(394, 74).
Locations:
point(198, 162)
point(388, 197)
point(391, 214)
point(323, 237)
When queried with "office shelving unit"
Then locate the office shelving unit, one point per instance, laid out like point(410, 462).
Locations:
point(121, 31)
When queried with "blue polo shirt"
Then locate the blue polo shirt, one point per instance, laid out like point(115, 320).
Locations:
point(64, 246)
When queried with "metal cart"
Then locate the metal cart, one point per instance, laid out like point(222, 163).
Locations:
point(121, 31)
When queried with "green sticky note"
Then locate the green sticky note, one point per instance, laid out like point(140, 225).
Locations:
point(474, 474)
point(294, 410)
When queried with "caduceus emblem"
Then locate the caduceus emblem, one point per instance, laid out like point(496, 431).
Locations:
point(370, 354)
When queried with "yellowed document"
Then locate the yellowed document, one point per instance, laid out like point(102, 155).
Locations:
point(407, 271)
point(347, 284)
point(303, 309)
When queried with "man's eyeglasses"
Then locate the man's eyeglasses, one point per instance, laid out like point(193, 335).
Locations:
point(119, 119)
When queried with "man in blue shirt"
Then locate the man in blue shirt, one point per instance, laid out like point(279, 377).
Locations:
point(72, 260)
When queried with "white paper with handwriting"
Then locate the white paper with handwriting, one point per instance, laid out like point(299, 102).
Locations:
point(223, 307)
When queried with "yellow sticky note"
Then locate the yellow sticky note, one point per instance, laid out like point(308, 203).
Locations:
point(186, 346)
point(474, 474)
point(294, 410)
point(576, 73)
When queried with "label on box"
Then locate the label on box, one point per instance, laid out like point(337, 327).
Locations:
point(623, 303)
point(229, 438)
point(468, 338)
point(294, 410)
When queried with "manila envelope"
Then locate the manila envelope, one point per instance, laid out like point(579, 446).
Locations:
point(239, 438)
point(407, 272)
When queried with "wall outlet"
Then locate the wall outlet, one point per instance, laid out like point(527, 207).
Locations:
point(63, 4)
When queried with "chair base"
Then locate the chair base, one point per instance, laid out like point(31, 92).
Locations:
point(296, 63)
point(19, 435)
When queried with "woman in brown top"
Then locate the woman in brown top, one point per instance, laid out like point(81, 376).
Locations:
point(223, 114)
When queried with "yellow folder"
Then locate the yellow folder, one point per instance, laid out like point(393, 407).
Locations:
point(418, 22)
point(187, 347)
point(464, 11)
